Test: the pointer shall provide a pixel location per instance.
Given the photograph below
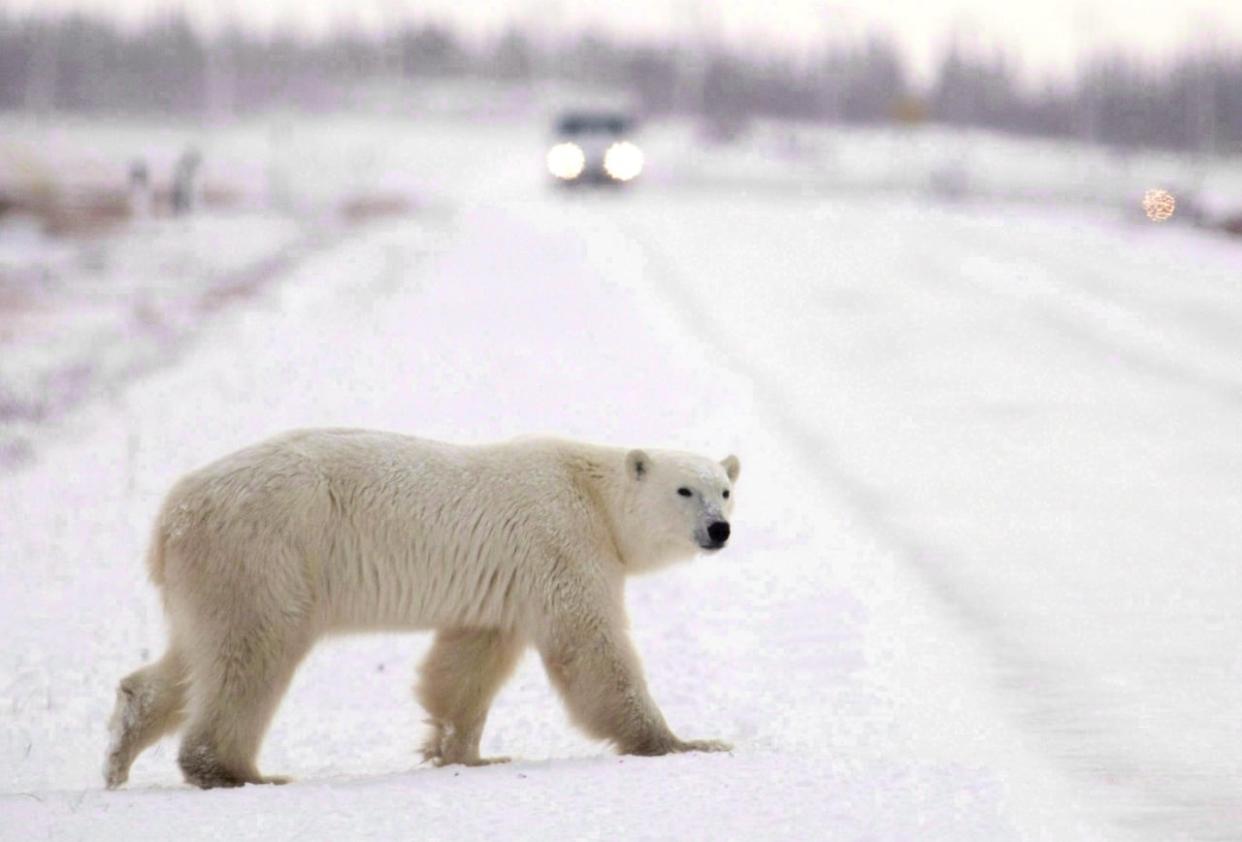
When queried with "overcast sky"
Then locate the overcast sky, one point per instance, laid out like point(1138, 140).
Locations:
point(1047, 35)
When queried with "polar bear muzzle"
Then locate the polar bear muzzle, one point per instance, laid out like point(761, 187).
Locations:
point(717, 535)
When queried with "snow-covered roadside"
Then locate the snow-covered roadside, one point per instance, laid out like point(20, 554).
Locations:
point(851, 707)
point(86, 316)
point(82, 316)
point(783, 159)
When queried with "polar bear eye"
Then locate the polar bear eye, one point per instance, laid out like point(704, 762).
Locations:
point(684, 492)
point(726, 494)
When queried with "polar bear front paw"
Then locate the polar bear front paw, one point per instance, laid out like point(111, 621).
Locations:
point(462, 760)
point(446, 746)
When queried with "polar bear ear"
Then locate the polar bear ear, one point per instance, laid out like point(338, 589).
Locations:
point(731, 466)
point(637, 464)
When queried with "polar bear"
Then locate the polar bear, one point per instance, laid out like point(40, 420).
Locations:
point(495, 547)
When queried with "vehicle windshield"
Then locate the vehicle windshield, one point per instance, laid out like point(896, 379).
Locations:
point(579, 123)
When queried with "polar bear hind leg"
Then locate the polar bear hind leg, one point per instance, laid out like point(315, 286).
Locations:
point(234, 690)
point(149, 704)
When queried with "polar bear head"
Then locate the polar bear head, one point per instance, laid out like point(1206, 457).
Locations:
point(679, 504)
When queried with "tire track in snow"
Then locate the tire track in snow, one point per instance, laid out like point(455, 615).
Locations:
point(1077, 309)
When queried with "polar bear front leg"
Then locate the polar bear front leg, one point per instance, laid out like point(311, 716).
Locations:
point(461, 675)
point(594, 666)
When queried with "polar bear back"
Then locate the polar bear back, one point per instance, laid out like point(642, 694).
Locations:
point(367, 529)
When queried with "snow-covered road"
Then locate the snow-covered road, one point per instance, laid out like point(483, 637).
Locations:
point(981, 587)
point(1039, 414)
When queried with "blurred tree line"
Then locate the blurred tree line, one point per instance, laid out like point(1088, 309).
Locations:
point(79, 63)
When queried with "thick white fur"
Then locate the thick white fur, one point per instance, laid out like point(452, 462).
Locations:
point(495, 547)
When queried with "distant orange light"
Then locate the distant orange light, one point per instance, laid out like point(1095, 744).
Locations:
point(1159, 205)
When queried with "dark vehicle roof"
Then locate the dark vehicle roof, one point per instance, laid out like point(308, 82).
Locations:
point(583, 122)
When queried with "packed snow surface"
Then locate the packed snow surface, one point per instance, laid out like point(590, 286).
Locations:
point(984, 578)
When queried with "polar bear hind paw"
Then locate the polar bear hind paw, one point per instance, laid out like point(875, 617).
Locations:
point(702, 745)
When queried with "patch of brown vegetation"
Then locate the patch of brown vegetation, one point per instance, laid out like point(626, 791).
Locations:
point(248, 281)
point(83, 213)
point(357, 210)
point(219, 196)
point(92, 211)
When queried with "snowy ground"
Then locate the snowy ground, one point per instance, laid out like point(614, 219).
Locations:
point(982, 585)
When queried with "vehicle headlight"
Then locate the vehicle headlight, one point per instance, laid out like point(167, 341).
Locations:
point(566, 161)
point(623, 161)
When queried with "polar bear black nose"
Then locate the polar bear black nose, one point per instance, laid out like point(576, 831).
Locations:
point(718, 531)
